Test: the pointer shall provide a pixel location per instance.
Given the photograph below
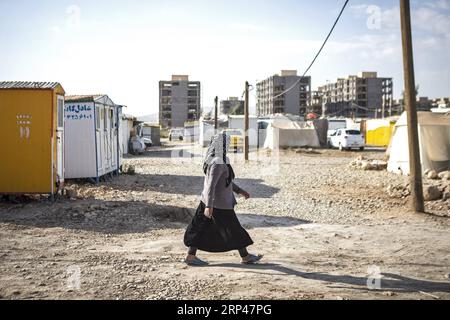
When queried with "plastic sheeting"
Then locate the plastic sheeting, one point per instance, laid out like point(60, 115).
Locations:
point(434, 140)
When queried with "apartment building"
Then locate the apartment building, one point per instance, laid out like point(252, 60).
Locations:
point(271, 98)
point(362, 96)
point(232, 106)
point(179, 101)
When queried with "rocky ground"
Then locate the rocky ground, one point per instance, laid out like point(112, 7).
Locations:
point(328, 231)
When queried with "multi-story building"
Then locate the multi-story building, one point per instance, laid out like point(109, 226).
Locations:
point(363, 96)
point(232, 106)
point(316, 103)
point(273, 96)
point(422, 103)
point(179, 101)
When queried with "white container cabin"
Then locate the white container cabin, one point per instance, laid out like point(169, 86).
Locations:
point(92, 137)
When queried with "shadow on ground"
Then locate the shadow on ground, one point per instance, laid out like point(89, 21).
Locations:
point(184, 185)
point(115, 217)
point(389, 282)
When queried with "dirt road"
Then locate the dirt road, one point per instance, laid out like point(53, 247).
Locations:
point(327, 232)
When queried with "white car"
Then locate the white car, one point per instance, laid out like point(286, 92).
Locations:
point(176, 134)
point(347, 139)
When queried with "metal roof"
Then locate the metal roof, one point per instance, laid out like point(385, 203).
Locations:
point(96, 98)
point(84, 98)
point(27, 85)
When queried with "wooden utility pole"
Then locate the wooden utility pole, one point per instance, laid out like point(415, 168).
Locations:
point(216, 114)
point(410, 104)
point(246, 121)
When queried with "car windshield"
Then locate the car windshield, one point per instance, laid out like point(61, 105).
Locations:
point(353, 132)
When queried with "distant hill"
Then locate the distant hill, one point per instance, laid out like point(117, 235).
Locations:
point(152, 118)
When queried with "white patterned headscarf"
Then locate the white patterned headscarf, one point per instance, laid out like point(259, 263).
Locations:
point(218, 148)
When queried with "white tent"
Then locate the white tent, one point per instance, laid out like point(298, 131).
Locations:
point(434, 141)
point(237, 122)
point(282, 131)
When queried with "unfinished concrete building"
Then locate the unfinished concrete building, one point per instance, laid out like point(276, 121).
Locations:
point(232, 106)
point(362, 96)
point(316, 103)
point(270, 99)
point(179, 101)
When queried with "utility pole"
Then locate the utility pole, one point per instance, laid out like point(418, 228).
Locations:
point(410, 104)
point(246, 121)
point(216, 116)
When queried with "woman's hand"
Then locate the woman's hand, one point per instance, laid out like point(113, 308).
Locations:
point(209, 213)
point(245, 194)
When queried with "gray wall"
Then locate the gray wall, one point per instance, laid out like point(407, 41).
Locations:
point(179, 104)
point(374, 96)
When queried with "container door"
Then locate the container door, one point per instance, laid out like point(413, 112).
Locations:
point(114, 137)
point(101, 141)
point(60, 139)
point(98, 127)
point(107, 137)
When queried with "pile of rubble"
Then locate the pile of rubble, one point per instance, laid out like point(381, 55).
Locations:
point(436, 187)
point(369, 165)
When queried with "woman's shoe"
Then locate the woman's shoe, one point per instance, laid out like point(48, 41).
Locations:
point(252, 259)
point(196, 262)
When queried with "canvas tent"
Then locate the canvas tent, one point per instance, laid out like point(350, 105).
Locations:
point(434, 140)
point(282, 131)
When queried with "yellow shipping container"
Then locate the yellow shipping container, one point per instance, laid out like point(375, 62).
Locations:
point(32, 144)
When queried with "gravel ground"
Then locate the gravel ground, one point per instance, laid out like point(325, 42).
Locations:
point(321, 224)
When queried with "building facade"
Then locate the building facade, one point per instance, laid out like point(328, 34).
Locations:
point(362, 96)
point(316, 103)
point(272, 98)
point(232, 106)
point(179, 101)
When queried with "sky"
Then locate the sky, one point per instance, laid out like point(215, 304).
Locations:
point(123, 48)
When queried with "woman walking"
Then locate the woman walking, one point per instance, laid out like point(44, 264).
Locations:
point(215, 226)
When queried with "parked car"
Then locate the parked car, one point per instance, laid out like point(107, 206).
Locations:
point(346, 139)
point(176, 134)
point(236, 140)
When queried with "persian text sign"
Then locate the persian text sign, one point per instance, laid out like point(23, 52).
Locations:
point(78, 112)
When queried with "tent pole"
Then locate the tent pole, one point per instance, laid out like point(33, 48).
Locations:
point(246, 121)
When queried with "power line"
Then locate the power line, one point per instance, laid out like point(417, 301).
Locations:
point(318, 53)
